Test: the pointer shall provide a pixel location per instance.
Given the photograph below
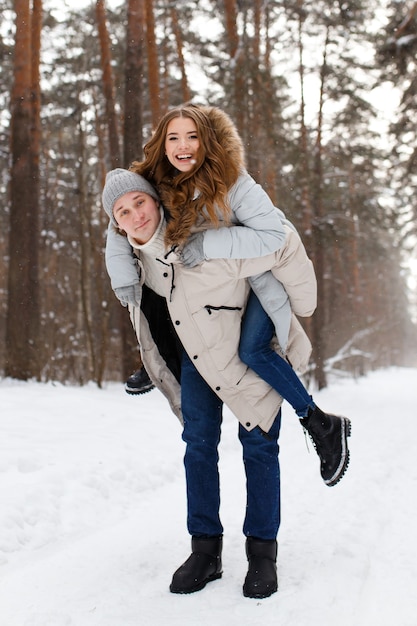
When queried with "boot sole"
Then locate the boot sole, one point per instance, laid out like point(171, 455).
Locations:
point(344, 461)
point(138, 392)
point(197, 587)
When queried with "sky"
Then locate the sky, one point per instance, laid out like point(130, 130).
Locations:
point(92, 516)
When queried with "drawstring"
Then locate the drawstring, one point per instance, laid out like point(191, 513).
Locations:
point(166, 255)
point(172, 283)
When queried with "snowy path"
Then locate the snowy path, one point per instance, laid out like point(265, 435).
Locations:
point(92, 517)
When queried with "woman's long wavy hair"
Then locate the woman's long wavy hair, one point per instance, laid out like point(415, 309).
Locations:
point(220, 160)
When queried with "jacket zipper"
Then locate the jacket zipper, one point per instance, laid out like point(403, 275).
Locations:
point(209, 308)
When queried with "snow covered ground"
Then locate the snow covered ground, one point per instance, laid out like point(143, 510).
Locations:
point(92, 513)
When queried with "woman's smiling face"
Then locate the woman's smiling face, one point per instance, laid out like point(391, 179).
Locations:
point(182, 143)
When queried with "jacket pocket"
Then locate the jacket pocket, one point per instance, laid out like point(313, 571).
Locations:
point(219, 327)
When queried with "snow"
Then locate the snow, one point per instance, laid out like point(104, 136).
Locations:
point(92, 518)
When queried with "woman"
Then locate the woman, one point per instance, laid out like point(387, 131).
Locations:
point(196, 161)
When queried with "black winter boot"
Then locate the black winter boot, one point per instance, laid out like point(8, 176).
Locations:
point(329, 435)
point(202, 566)
point(261, 580)
point(138, 383)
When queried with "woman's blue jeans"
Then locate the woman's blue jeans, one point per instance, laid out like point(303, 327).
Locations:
point(202, 412)
point(256, 352)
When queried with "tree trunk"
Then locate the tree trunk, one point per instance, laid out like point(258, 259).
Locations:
point(153, 64)
point(320, 316)
point(132, 141)
point(178, 39)
point(108, 85)
point(270, 166)
point(132, 128)
point(23, 314)
point(236, 61)
point(128, 345)
point(304, 183)
point(36, 132)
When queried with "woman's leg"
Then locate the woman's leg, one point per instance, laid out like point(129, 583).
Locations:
point(260, 458)
point(202, 412)
point(328, 432)
point(256, 352)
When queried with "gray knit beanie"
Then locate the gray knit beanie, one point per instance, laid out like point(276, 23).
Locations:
point(119, 182)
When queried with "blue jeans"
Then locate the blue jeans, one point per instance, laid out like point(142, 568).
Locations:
point(256, 352)
point(202, 412)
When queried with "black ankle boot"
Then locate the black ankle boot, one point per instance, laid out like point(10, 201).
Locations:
point(329, 435)
point(138, 383)
point(261, 580)
point(202, 566)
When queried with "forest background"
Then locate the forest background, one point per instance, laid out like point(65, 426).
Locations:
point(323, 93)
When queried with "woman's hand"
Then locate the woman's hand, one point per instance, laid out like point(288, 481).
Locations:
point(193, 251)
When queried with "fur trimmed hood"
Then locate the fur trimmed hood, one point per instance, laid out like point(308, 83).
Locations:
point(228, 137)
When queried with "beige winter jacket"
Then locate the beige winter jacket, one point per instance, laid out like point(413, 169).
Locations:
point(206, 304)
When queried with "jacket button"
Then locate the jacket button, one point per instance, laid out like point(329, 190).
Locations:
point(217, 388)
point(165, 274)
point(177, 322)
point(195, 357)
point(248, 424)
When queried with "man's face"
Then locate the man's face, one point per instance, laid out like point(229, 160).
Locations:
point(137, 213)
